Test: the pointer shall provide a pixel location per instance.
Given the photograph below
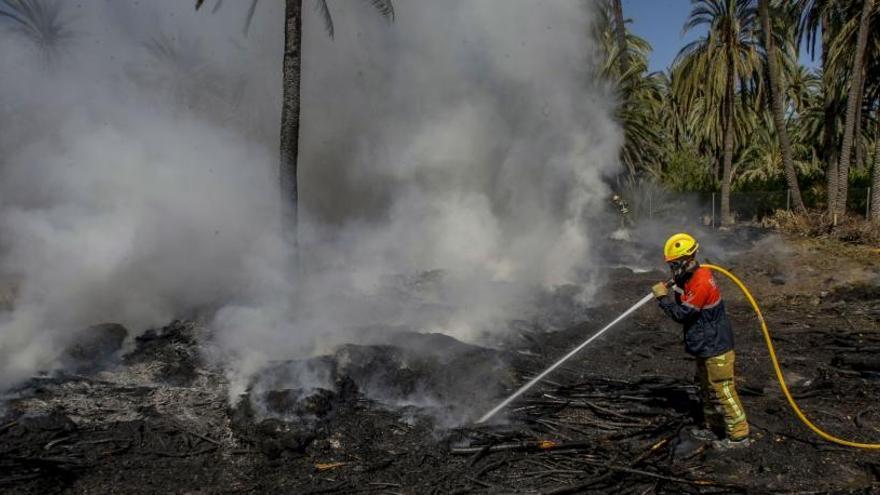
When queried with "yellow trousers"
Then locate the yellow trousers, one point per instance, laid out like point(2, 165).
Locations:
point(718, 392)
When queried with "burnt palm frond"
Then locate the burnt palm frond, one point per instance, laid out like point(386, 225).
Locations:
point(174, 70)
point(385, 7)
point(217, 5)
point(324, 11)
point(250, 16)
point(172, 51)
point(40, 21)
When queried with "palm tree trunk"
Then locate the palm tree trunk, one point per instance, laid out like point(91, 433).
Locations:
point(290, 117)
point(726, 171)
point(620, 34)
point(875, 183)
point(776, 97)
point(829, 146)
point(852, 101)
point(726, 218)
point(858, 149)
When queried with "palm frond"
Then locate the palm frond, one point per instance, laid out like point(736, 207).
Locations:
point(324, 11)
point(385, 7)
point(250, 16)
point(217, 5)
point(40, 21)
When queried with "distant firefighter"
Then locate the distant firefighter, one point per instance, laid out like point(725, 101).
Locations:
point(623, 209)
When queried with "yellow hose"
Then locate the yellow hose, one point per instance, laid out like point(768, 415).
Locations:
point(794, 406)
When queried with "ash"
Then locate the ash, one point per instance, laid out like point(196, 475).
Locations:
point(392, 414)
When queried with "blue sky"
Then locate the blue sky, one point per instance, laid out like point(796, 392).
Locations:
point(660, 22)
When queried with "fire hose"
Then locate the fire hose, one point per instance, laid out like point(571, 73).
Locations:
point(767, 339)
point(779, 376)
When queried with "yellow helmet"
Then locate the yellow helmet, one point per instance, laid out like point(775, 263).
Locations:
point(679, 246)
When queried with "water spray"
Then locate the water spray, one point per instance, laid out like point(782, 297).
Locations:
point(565, 358)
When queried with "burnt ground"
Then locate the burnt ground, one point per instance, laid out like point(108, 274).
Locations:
point(380, 418)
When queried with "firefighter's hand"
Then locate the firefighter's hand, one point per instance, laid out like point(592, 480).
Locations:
point(660, 290)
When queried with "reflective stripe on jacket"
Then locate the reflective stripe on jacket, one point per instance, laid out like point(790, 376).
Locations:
point(700, 309)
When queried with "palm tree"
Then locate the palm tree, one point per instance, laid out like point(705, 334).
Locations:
point(42, 22)
point(620, 35)
point(175, 69)
point(777, 93)
point(761, 158)
point(825, 16)
point(875, 181)
point(290, 100)
point(714, 65)
point(852, 102)
point(803, 89)
point(872, 95)
point(639, 94)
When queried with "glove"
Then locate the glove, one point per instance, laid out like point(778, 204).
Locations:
point(660, 290)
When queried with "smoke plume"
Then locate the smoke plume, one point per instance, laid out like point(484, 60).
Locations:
point(451, 167)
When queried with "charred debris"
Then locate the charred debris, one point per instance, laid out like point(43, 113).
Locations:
point(394, 416)
point(164, 410)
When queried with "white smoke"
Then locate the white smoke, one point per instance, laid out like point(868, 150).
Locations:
point(451, 165)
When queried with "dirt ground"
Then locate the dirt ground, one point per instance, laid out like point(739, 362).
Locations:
point(616, 419)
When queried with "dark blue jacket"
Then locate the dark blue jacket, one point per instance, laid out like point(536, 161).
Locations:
point(699, 308)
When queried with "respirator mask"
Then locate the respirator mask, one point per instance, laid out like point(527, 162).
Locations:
point(680, 267)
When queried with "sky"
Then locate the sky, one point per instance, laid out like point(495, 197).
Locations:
point(660, 22)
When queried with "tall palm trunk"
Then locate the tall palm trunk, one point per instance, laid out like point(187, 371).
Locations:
point(290, 117)
point(829, 144)
point(875, 183)
point(776, 97)
point(620, 34)
point(852, 101)
point(858, 149)
point(727, 159)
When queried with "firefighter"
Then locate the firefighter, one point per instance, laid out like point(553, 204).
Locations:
point(623, 209)
point(696, 303)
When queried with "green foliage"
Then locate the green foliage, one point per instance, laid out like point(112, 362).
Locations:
point(761, 161)
point(640, 95)
point(673, 122)
point(688, 170)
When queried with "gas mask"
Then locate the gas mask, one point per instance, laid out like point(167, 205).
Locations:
point(680, 267)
